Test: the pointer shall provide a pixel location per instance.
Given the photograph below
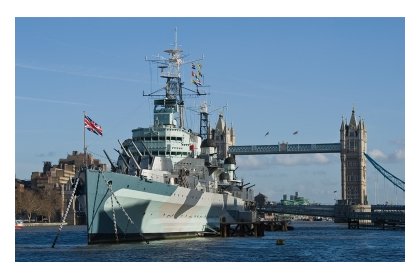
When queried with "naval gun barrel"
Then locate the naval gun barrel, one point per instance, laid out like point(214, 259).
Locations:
point(250, 186)
point(147, 150)
point(113, 168)
point(130, 155)
point(122, 157)
point(135, 146)
point(122, 147)
point(135, 161)
point(243, 185)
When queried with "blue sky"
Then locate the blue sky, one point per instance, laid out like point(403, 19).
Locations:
point(274, 74)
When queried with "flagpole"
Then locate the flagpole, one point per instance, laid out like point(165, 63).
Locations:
point(84, 139)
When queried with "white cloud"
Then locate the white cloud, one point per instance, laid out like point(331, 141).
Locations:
point(49, 100)
point(76, 73)
point(251, 162)
point(397, 155)
point(260, 162)
point(377, 154)
point(290, 160)
point(257, 162)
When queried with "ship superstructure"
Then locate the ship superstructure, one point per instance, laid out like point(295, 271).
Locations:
point(168, 181)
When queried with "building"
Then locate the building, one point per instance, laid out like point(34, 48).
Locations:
point(260, 200)
point(54, 177)
point(353, 139)
point(59, 177)
point(78, 160)
point(21, 185)
point(294, 200)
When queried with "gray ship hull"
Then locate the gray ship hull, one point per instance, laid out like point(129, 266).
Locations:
point(128, 208)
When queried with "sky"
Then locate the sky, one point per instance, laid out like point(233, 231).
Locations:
point(276, 75)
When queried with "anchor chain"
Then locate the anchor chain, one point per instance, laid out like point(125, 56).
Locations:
point(119, 204)
point(122, 208)
point(114, 220)
point(67, 210)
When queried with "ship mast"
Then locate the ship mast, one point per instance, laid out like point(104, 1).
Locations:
point(170, 71)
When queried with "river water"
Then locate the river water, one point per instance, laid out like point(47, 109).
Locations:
point(308, 242)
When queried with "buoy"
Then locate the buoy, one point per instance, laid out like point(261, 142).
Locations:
point(280, 242)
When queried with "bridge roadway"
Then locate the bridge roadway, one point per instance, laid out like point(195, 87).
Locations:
point(285, 148)
point(374, 213)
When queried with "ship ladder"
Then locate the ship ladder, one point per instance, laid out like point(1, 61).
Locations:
point(67, 210)
point(129, 220)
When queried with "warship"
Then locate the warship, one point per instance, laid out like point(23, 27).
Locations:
point(168, 181)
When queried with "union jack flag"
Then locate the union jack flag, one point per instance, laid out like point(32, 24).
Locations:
point(93, 126)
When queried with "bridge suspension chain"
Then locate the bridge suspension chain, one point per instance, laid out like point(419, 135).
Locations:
point(393, 179)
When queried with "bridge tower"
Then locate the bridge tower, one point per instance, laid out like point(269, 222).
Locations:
point(353, 139)
point(224, 137)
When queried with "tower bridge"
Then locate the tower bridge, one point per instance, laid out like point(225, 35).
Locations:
point(285, 148)
point(352, 149)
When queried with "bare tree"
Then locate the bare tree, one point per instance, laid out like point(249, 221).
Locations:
point(45, 202)
point(19, 207)
point(30, 202)
point(50, 203)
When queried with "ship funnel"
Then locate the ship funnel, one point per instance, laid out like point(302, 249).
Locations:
point(230, 166)
point(208, 147)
